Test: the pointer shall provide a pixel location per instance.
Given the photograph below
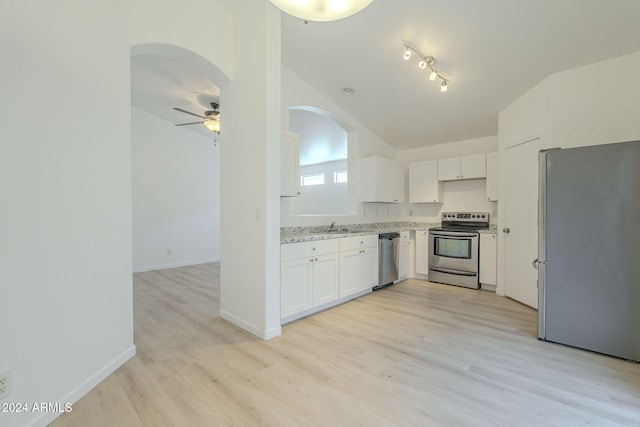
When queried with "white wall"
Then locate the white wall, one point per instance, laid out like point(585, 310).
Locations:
point(65, 200)
point(462, 195)
point(250, 174)
point(176, 195)
point(321, 139)
point(595, 104)
point(362, 143)
point(327, 199)
point(465, 195)
point(201, 26)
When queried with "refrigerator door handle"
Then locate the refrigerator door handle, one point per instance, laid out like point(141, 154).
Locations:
point(542, 234)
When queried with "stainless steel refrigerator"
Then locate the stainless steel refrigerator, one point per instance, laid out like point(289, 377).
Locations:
point(589, 248)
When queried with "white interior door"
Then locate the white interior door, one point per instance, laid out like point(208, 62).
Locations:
point(521, 222)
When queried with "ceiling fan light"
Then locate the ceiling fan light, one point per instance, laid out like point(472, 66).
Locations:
point(321, 10)
point(212, 124)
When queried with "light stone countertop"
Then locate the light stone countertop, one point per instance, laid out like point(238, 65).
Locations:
point(307, 234)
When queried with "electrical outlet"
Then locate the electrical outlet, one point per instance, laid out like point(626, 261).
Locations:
point(5, 385)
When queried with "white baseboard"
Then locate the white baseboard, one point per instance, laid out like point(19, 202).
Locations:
point(260, 333)
point(174, 265)
point(74, 395)
point(313, 310)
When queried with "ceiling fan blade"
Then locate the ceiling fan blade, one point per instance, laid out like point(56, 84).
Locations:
point(185, 124)
point(188, 112)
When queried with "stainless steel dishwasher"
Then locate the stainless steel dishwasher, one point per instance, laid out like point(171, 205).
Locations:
point(388, 259)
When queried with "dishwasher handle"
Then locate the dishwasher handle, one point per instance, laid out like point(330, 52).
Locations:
point(389, 236)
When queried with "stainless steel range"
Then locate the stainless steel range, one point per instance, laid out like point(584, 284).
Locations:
point(453, 248)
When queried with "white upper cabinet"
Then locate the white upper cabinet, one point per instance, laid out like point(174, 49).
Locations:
point(424, 186)
point(492, 177)
point(467, 167)
point(289, 164)
point(449, 169)
point(382, 180)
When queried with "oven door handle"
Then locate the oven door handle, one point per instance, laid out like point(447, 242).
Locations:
point(453, 234)
point(456, 272)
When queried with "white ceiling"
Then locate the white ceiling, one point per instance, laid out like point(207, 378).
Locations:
point(492, 51)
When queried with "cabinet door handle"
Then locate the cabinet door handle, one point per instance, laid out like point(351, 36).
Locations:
point(506, 230)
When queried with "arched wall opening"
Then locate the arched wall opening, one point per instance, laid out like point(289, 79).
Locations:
point(327, 144)
point(175, 169)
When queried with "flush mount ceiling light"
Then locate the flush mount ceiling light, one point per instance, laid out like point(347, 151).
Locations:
point(321, 10)
point(425, 63)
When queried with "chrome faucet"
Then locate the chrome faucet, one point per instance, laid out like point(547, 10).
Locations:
point(331, 226)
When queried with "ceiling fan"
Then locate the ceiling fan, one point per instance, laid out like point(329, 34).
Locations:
point(211, 118)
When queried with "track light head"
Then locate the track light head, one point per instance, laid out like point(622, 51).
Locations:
point(407, 54)
point(443, 86)
point(422, 64)
point(433, 74)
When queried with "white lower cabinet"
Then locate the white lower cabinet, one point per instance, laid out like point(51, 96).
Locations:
point(422, 252)
point(324, 279)
point(488, 259)
point(308, 282)
point(318, 273)
point(295, 286)
point(309, 274)
point(358, 264)
point(404, 255)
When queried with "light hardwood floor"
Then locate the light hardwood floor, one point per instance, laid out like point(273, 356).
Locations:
point(413, 354)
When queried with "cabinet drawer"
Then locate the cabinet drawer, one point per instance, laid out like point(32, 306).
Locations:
point(358, 242)
point(307, 249)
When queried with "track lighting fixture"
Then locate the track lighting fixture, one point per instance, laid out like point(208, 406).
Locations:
point(424, 63)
